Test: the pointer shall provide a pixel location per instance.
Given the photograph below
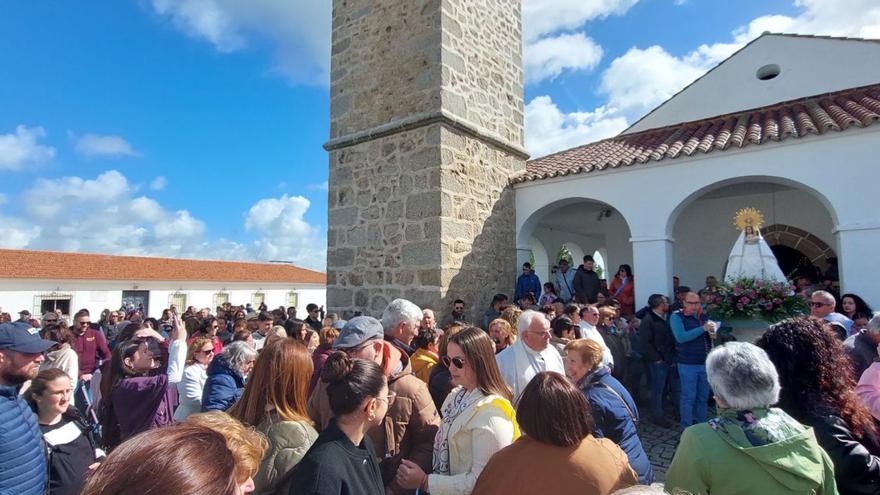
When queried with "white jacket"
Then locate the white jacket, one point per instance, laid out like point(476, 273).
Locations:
point(478, 432)
point(517, 368)
point(189, 391)
point(589, 332)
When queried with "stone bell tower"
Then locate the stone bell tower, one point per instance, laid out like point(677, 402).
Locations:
point(426, 129)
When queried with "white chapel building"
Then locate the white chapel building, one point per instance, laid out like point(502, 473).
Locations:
point(785, 125)
point(41, 281)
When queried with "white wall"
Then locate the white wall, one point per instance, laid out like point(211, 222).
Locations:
point(808, 67)
point(16, 295)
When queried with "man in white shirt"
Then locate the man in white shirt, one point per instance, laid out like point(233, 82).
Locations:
point(530, 355)
point(589, 318)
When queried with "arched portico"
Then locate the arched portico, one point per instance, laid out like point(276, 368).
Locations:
point(585, 225)
point(704, 233)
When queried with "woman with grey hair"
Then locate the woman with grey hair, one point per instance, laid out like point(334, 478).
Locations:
point(226, 376)
point(750, 447)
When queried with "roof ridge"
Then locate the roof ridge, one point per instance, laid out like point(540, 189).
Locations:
point(822, 36)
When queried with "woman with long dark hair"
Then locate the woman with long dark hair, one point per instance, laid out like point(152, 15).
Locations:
point(818, 390)
point(274, 402)
point(140, 389)
point(557, 427)
point(622, 290)
point(69, 442)
point(478, 419)
point(850, 305)
point(342, 459)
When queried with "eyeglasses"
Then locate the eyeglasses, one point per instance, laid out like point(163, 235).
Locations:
point(816, 304)
point(456, 361)
point(388, 398)
point(354, 350)
point(542, 335)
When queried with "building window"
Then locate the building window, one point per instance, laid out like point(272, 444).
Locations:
point(292, 299)
point(220, 299)
point(51, 303)
point(178, 300)
point(257, 299)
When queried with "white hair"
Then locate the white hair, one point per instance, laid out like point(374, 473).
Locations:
point(399, 311)
point(525, 320)
point(238, 353)
point(874, 323)
point(825, 296)
point(742, 376)
point(655, 489)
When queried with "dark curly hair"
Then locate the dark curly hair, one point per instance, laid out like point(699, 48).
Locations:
point(815, 373)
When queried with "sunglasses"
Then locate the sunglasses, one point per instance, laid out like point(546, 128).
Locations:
point(84, 323)
point(456, 361)
point(814, 304)
point(209, 351)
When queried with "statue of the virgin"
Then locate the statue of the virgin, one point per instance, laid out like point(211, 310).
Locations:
point(751, 257)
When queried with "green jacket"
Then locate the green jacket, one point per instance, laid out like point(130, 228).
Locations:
point(288, 443)
point(727, 457)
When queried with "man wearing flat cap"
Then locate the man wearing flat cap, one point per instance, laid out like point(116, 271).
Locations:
point(412, 421)
point(22, 454)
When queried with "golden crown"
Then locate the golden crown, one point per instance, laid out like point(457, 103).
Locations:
point(748, 217)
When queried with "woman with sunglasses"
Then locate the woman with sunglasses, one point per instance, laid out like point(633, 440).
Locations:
point(140, 390)
point(342, 459)
point(478, 419)
point(191, 387)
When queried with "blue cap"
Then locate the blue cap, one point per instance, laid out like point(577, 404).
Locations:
point(357, 331)
point(22, 337)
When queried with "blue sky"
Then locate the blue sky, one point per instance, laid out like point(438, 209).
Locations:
point(194, 128)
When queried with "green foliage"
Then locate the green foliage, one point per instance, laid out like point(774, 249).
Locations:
point(564, 254)
point(600, 270)
point(747, 298)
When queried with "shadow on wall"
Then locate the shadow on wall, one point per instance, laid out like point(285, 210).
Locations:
point(489, 267)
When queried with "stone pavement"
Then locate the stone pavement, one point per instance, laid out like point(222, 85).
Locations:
point(660, 444)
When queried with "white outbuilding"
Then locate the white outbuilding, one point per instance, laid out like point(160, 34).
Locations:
point(41, 281)
point(785, 125)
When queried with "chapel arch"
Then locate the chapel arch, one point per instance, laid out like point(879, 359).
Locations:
point(795, 216)
point(584, 225)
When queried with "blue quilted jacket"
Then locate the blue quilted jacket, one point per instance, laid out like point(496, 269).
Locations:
point(22, 453)
point(223, 387)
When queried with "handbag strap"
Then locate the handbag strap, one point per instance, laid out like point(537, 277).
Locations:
point(622, 401)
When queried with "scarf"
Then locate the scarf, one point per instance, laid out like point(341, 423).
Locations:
point(459, 403)
point(755, 428)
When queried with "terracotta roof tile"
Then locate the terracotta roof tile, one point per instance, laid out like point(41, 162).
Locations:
point(837, 111)
point(82, 266)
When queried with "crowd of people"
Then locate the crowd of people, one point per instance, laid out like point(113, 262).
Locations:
point(541, 395)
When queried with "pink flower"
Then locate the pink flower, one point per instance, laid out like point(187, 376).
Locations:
point(768, 306)
point(739, 307)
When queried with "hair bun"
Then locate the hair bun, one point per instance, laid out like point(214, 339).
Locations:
point(337, 367)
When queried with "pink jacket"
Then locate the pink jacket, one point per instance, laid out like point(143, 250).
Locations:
point(869, 389)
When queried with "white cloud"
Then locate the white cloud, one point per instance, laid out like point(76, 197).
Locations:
point(22, 148)
point(641, 79)
point(95, 145)
point(548, 129)
point(103, 214)
point(548, 57)
point(298, 30)
point(543, 17)
point(284, 232)
point(159, 183)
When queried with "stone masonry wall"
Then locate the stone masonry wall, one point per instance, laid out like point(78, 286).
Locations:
point(423, 211)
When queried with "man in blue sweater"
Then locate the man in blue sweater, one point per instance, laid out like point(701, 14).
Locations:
point(22, 454)
point(527, 282)
point(694, 334)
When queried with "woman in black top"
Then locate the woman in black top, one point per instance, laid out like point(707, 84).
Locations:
point(342, 460)
point(68, 440)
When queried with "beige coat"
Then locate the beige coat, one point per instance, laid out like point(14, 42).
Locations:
point(478, 432)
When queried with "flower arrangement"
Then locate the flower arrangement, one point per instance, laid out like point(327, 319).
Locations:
point(747, 298)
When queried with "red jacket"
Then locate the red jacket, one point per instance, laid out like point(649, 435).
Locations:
point(90, 347)
point(627, 297)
